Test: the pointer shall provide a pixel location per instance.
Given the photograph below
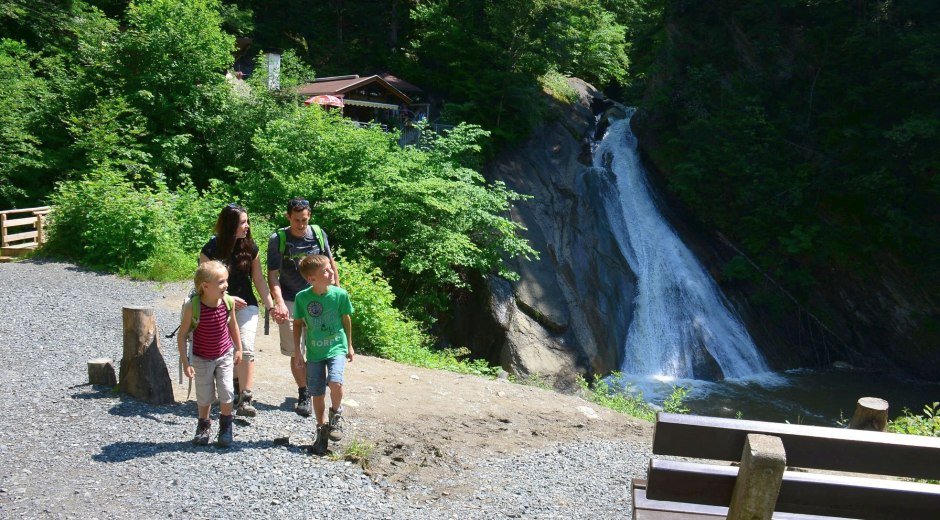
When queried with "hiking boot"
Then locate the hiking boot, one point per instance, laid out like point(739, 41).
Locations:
point(225, 431)
point(336, 424)
point(303, 405)
point(322, 441)
point(202, 432)
point(244, 405)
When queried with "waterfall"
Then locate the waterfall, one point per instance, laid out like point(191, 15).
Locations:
point(682, 326)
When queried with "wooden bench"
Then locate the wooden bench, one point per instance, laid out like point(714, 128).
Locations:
point(801, 462)
point(21, 230)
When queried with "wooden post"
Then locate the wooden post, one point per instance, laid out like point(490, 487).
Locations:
point(759, 478)
point(871, 413)
point(101, 372)
point(3, 229)
point(143, 369)
point(39, 230)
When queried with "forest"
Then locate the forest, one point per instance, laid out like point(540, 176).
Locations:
point(805, 131)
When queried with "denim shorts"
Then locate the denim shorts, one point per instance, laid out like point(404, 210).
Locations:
point(319, 371)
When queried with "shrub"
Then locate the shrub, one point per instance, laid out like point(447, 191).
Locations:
point(381, 329)
point(927, 424)
point(623, 400)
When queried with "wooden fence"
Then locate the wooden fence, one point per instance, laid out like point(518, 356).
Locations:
point(21, 230)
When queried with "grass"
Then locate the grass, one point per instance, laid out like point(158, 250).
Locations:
point(357, 451)
point(600, 392)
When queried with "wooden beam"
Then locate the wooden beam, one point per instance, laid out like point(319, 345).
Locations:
point(818, 447)
point(800, 493)
point(22, 236)
point(29, 221)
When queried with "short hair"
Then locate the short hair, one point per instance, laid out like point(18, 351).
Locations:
point(311, 264)
point(297, 204)
point(208, 272)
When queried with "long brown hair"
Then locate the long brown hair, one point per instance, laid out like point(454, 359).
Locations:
point(227, 245)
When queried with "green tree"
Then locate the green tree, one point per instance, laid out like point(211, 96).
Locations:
point(21, 92)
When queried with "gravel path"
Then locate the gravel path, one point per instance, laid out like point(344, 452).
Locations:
point(68, 450)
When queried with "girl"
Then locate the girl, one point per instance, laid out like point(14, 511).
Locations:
point(232, 245)
point(216, 348)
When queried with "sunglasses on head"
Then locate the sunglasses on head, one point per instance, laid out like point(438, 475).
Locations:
point(298, 204)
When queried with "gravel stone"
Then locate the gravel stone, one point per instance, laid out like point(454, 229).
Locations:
point(70, 450)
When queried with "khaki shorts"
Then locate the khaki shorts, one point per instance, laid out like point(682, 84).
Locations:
point(247, 319)
point(286, 331)
point(214, 375)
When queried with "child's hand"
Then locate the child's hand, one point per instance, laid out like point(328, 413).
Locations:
point(350, 354)
point(298, 361)
point(189, 371)
point(238, 356)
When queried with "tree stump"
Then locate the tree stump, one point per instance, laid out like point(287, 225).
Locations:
point(871, 413)
point(143, 370)
point(101, 372)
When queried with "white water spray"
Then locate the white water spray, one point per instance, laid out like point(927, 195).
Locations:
point(682, 326)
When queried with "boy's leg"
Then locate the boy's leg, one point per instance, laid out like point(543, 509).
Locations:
point(286, 332)
point(316, 383)
point(245, 371)
point(337, 368)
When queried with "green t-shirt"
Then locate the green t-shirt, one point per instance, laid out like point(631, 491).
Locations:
point(323, 316)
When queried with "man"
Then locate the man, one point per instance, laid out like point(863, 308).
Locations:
point(286, 248)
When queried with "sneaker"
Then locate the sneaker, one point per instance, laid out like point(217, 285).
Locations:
point(202, 432)
point(336, 424)
point(244, 405)
point(321, 443)
point(303, 406)
point(225, 431)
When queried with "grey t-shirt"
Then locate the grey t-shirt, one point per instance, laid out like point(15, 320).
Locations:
point(294, 250)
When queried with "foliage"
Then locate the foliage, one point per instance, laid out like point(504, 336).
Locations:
point(411, 211)
point(557, 86)
point(20, 92)
point(804, 132)
point(927, 424)
point(381, 329)
point(623, 399)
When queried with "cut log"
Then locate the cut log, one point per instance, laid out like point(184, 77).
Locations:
point(143, 370)
point(101, 372)
point(871, 413)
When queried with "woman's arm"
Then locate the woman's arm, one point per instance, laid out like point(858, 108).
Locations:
point(260, 284)
point(185, 321)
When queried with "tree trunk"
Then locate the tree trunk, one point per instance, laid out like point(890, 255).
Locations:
point(101, 372)
point(871, 413)
point(143, 371)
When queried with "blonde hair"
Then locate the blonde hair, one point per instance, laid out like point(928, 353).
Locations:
point(208, 272)
point(311, 264)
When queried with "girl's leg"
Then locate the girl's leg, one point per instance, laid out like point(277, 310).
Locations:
point(204, 411)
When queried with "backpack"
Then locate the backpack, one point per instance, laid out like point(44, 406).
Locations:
point(194, 301)
point(317, 232)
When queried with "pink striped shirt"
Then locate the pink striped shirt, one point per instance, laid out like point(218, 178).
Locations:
point(211, 338)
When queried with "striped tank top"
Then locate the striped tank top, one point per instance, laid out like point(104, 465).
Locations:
point(211, 338)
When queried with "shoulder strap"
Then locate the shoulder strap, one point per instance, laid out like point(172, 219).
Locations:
point(281, 240)
point(318, 232)
point(194, 302)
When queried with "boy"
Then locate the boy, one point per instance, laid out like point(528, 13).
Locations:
point(286, 248)
point(323, 310)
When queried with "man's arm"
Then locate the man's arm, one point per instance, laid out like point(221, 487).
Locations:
point(182, 334)
point(280, 308)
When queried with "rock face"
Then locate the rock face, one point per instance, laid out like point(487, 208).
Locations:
point(569, 311)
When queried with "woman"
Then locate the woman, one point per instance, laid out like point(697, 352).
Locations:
point(232, 245)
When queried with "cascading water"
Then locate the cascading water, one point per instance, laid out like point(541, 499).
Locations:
point(682, 326)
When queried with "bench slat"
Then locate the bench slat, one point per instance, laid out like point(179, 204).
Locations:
point(800, 493)
point(815, 447)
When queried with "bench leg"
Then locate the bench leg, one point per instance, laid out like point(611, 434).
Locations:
point(759, 478)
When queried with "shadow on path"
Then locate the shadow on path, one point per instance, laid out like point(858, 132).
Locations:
point(125, 451)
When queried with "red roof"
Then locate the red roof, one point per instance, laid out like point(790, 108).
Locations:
point(343, 84)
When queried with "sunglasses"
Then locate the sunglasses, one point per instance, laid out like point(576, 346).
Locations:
point(298, 204)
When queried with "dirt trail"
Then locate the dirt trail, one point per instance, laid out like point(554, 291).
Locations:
point(428, 425)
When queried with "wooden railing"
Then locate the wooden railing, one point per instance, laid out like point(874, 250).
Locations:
point(21, 230)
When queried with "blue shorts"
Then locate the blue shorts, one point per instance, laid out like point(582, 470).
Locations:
point(318, 372)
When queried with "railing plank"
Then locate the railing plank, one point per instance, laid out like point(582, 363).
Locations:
point(29, 221)
point(25, 210)
point(816, 447)
point(21, 236)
